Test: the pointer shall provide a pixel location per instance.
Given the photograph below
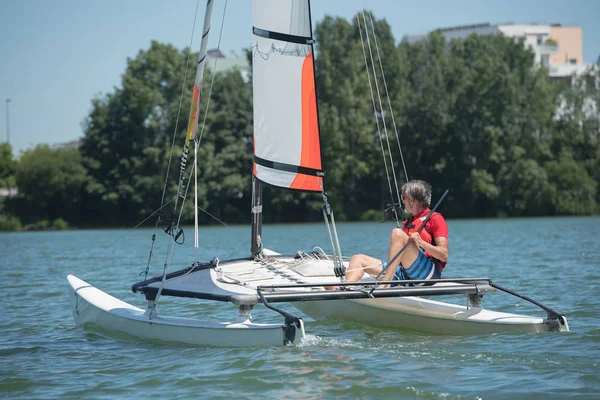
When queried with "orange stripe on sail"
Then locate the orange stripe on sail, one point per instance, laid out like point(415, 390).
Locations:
point(193, 113)
point(311, 149)
point(253, 163)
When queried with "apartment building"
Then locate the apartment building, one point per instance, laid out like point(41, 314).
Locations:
point(227, 62)
point(558, 48)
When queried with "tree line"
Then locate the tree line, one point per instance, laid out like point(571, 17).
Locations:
point(472, 115)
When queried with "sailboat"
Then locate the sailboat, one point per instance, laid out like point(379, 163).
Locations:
point(287, 155)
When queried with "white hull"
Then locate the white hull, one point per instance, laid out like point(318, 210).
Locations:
point(243, 277)
point(92, 306)
point(412, 313)
point(424, 315)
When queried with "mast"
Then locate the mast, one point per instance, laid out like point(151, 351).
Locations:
point(193, 126)
point(7, 122)
point(312, 46)
point(256, 246)
point(334, 241)
point(195, 106)
point(196, 201)
point(191, 136)
point(287, 145)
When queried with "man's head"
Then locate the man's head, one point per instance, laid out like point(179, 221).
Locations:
point(417, 191)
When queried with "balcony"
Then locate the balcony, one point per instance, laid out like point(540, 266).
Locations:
point(566, 70)
point(546, 48)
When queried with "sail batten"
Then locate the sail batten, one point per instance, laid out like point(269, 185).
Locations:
point(283, 37)
point(288, 167)
point(286, 131)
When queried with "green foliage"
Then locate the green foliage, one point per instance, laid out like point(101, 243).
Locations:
point(349, 132)
point(50, 184)
point(8, 166)
point(576, 143)
point(526, 189)
point(473, 105)
point(574, 190)
point(60, 224)
point(226, 150)
point(473, 115)
point(128, 137)
point(9, 223)
point(57, 224)
point(372, 215)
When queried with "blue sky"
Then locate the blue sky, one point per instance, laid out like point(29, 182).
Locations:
point(56, 55)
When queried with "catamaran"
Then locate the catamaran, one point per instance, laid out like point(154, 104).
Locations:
point(287, 155)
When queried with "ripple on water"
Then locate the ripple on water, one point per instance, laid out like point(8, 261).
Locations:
point(49, 357)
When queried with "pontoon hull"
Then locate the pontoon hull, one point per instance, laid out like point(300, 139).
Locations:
point(424, 315)
point(300, 281)
point(92, 306)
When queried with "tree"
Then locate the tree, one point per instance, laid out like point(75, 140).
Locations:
point(128, 136)
point(349, 134)
point(8, 166)
point(471, 107)
point(225, 155)
point(473, 115)
point(51, 184)
point(577, 136)
point(574, 190)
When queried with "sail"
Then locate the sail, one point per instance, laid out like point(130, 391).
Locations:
point(195, 109)
point(287, 150)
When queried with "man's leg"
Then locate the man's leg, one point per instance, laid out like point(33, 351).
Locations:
point(398, 239)
point(359, 264)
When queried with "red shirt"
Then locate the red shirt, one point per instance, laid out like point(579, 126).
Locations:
point(435, 227)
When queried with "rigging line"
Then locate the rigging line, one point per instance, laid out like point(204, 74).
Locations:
point(337, 262)
point(199, 139)
point(210, 215)
point(171, 246)
point(387, 172)
point(212, 81)
point(195, 201)
point(388, 98)
point(196, 97)
point(196, 143)
point(382, 112)
point(93, 257)
point(187, 66)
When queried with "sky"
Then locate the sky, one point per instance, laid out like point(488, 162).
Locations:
point(57, 55)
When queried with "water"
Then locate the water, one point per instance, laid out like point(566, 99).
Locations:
point(555, 261)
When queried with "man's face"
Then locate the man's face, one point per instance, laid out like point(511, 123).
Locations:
point(409, 204)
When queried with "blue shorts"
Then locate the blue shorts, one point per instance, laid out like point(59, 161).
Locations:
point(422, 269)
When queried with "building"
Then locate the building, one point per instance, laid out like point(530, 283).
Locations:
point(556, 47)
point(73, 144)
point(220, 62)
point(8, 192)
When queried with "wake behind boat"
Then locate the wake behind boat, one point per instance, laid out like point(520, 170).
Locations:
point(287, 154)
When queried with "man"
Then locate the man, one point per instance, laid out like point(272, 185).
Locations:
point(427, 252)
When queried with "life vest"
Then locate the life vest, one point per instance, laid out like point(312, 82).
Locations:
point(413, 224)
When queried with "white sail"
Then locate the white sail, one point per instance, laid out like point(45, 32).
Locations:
point(287, 149)
point(195, 108)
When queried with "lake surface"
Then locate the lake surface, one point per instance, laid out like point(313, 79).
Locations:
point(553, 260)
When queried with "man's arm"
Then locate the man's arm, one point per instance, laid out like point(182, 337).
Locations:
point(439, 251)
